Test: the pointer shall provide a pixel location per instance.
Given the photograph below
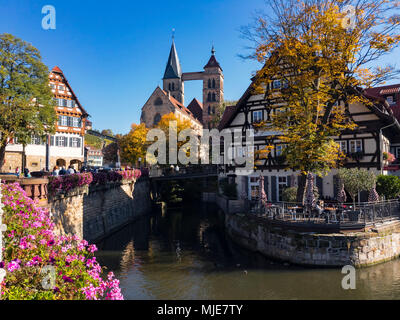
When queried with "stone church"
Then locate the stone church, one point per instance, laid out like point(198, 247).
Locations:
point(172, 97)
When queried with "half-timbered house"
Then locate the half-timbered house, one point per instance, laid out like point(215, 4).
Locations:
point(377, 130)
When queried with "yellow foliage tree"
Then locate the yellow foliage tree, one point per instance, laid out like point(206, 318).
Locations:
point(166, 125)
point(133, 145)
point(321, 51)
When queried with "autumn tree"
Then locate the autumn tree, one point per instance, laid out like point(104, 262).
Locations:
point(26, 100)
point(133, 145)
point(171, 123)
point(319, 54)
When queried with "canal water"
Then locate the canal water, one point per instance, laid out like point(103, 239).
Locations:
point(184, 254)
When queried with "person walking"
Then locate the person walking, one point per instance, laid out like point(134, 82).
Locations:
point(17, 171)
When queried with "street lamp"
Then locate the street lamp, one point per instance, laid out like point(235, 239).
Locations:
point(381, 144)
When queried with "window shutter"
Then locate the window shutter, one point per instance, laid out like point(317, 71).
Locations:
point(274, 189)
point(320, 185)
point(335, 186)
point(52, 140)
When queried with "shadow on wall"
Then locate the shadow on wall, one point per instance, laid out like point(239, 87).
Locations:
point(97, 211)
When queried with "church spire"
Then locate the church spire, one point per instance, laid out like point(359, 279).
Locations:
point(173, 69)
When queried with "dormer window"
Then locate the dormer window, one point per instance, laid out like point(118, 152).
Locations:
point(277, 84)
point(390, 100)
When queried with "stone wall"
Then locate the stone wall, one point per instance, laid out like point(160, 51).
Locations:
point(95, 212)
point(306, 248)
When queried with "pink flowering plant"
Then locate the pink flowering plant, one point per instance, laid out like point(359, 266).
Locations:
point(31, 246)
point(69, 182)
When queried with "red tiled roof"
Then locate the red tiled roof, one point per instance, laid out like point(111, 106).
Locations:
point(196, 107)
point(226, 116)
point(56, 69)
point(179, 105)
point(381, 92)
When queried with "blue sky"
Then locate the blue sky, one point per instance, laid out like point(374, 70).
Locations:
point(114, 53)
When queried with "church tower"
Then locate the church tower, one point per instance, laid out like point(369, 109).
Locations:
point(213, 89)
point(172, 80)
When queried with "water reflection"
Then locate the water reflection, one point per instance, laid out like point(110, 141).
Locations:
point(184, 254)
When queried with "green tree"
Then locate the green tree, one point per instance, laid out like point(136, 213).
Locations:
point(388, 186)
point(219, 112)
point(356, 180)
point(26, 100)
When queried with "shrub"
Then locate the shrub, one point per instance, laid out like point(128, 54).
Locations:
point(388, 186)
point(30, 245)
point(289, 194)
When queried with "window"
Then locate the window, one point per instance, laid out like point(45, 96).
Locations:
point(343, 146)
point(61, 141)
point(209, 83)
point(70, 103)
point(282, 185)
point(254, 187)
point(52, 85)
point(209, 97)
point(355, 146)
point(390, 100)
point(157, 118)
point(276, 84)
point(76, 122)
point(285, 84)
point(61, 88)
point(214, 97)
point(209, 109)
point(158, 102)
point(36, 140)
point(213, 83)
point(63, 121)
point(257, 116)
point(397, 153)
point(278, 150)
point(75, 142)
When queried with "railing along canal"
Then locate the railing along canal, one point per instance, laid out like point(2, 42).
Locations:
point(366, 213)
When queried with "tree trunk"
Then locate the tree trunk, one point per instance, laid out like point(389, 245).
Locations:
point(301, 188)
point(2, 156)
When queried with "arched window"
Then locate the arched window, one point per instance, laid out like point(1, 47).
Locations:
point(173, 86)
point(214, 97)
point(158, 102)
point(213, 83)
point(209, 96)
point(213, 110)
point(209, 109)
point(157, 118)
point(169, 86)
point(209, 83)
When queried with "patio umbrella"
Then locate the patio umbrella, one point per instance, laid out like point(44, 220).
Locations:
point(373, 195)
point(310, 197)
point(341, 197)
point(263, 195)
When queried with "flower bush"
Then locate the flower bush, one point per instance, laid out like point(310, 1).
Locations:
point(30, 245)
point(68, 182)
point(389, 157)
